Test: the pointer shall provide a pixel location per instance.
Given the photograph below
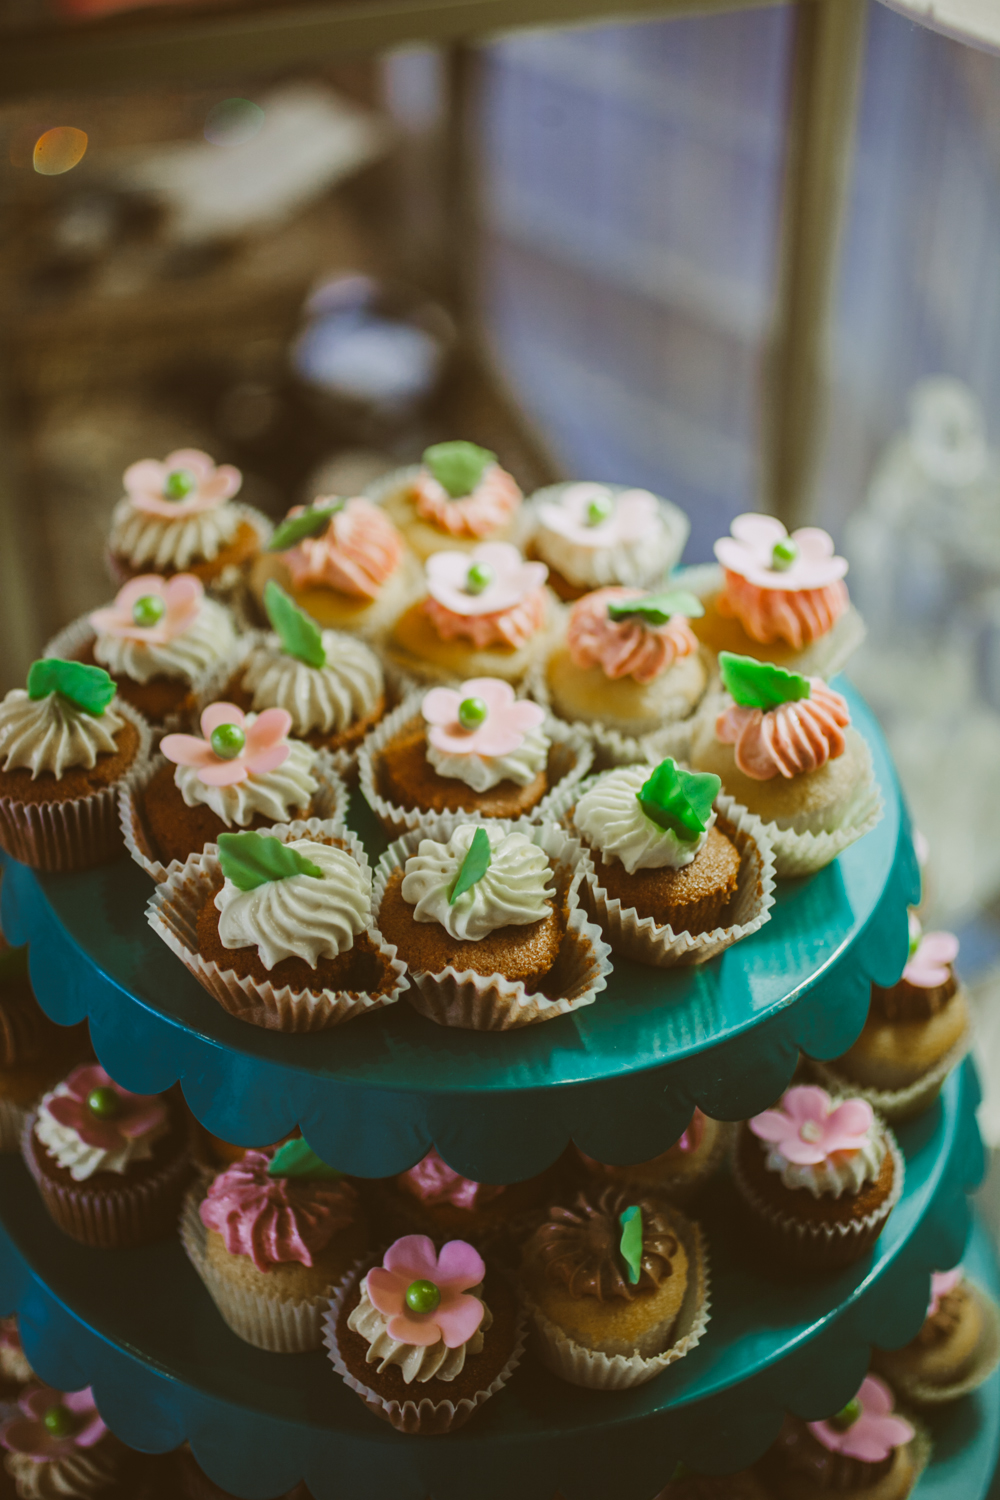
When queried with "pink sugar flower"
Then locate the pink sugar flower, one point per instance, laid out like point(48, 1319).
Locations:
point(809, 1127)
point(453, 1272)
point(750, 552)
point(146, 481)
point(942, 1282)
point(874, 1433)
point(513, 579)
point(508, 719)
point(137, 1115)
point(433, 1181)
point(265, 747)
point(181, 595)
point(634, 514)
point(930, 965)
point(28, 1433)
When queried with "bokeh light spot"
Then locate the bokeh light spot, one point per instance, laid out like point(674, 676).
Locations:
point(233, 122)
point(59, 150)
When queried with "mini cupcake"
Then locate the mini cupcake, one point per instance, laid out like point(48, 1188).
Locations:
point(111, 1166)
point(178, 517)
point(486, 614)
point(426, 1337)
point(278, 928)
point(957, 1348)
point(593, 535)
point(820, 1177)
point(676, 1173)
point(617, 1288)
point(457, 497)
point(867, 1448)
point(58, 1445)
point(67, 746)
point(431, 1198)
point(475, 750)
point(343, 562)
point(785, 750)
point(274, 1232)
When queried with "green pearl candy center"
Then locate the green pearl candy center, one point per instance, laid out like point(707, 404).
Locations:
point(149, 610)
point(783, 555)
point(478, 578)
point(104, 1103)
point(847, 1416)
point(227, 741)
point(59, 1421)
point(599, 510)
point(178, 484)
point(472, 712)
point(423, 1297)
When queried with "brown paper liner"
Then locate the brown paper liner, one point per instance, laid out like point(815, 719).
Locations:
point(984, 1360)
point(894, 1104)
point(475, 1002)
point(330, 800)
point(172, 912)
point(77, 834)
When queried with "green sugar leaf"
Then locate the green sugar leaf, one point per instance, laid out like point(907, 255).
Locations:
point(458, 467)
point(313, 522)
point(474, 865)
point(656, 609)
point(631, 1242)
point(296, 1158)
point(252, 859)
point(679, 801)
point(300, 636)
point(89, 689)
point(759, 684)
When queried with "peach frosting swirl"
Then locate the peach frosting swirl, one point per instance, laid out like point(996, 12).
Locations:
point(788, 740)
point(483, 513)
point(578, 1247)
point(508, 612)
point(274, 1220)
point(357, 553)
point(625, 648)
point(797, 616)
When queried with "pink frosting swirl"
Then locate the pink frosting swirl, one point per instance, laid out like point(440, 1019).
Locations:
point(625, 648)
point(486, 511)
point(790, 739)
point(275, 1219)
point(433, 1181)
point(797, 616)
point(357, 554)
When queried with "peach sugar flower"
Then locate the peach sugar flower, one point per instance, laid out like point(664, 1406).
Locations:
point(180, 596)
point(265, 745)
point(508, 719)
point(205, 484)
point(413, 1259)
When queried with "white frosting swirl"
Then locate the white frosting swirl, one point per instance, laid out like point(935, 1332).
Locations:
point(480, 772)
point(82, 1161)
point(300, 916)
point(272, 794)
point(633, 546)
point(514, 891)
point(418, 1362)
point(82, 1473)
point(610, 818)
point(328, 699)
point(149, 540)
point(52, 734)
point(205, 643)
point(843, 1172)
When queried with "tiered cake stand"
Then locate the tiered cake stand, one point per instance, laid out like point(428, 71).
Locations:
point(620, 1078)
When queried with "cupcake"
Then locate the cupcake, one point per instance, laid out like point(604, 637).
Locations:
point(57, 1444)
point(343, 562)
point(67, 746)
point(867, 1448)
point(784, 749)
point(111, 1166)
point(457, 497)
point(475, 750)
point(957, 1348)
point(616, 1288)
point(278, 928)
point(274, 1232)
point(676, 1173)
point(486, 614)
point(427, 1336)
point(431, 1198)
point(819, 1176)
point(178, 517)
point(194, 1484)
point(593, 535)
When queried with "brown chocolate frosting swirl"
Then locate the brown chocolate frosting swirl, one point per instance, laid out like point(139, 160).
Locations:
point(910, 1002)
point(578, 1246)
point(942, 1323)
point(796, 1451)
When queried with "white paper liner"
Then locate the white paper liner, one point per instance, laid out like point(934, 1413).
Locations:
point(75, 835)
point(978, 1368)
point(425, 1416)
point(13, 1118)
point(894, 1104)
point(582, 1366)
point(282, 1325)
point(648, 942)
point(677, 525)
point(330, 802)
point(476, 1002)
point(172, 912)
point(570, 760)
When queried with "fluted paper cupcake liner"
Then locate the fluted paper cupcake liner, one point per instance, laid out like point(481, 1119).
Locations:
point(330, 801)
point(618, 1372)
point(477, 1002)
point(172, 912)
point(978, 1368)
point(12, 1121)
point(894, 1104)
point(424, 1416)
point(77, 834)
point(569, 761)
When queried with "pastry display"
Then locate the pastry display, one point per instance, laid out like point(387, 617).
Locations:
point(457, 497)
point(68, 744)
point(56, 1444)
point(819, 1176)
point(427, 1336)
point(475, 750)
point(956, 1349)
point(431, 1198)
point(784, 748)
point(592, 535)
point(676, 1173)
point(269, 1238)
